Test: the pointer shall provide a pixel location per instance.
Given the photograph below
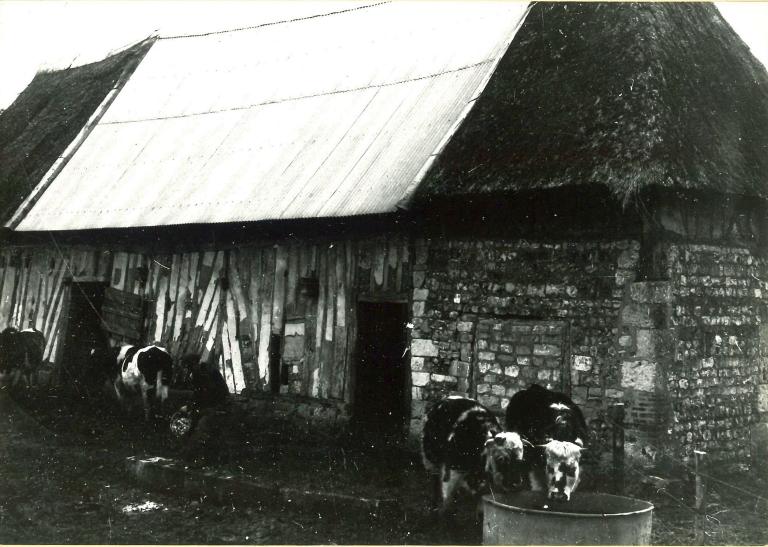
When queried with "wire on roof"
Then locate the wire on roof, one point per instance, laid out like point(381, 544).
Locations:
point(273, 23)
point(301, 97)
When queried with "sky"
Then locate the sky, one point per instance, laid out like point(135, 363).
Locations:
point(49, 34)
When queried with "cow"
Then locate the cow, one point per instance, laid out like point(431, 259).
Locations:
point(21, 354)
point(554, 430)
point(209, 387)
point(466, 451)
point(143, 369)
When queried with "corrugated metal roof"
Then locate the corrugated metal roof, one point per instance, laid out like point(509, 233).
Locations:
point(323, 117)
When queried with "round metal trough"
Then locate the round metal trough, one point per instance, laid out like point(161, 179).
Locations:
point(528, 518)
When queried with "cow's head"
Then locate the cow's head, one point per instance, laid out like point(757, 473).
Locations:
point(503, 455)
point(562, 459)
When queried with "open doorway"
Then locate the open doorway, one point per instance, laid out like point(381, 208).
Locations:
point(84, 334)
point(381, 400)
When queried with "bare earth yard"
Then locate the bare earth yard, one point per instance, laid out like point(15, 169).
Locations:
point(64, 481)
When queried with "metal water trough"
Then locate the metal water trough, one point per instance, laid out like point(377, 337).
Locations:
point(528, 518)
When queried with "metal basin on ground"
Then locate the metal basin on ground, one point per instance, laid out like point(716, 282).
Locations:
point(528, 518)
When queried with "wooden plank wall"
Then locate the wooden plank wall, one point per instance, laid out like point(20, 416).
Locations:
point(226, 305)
point(33, 292)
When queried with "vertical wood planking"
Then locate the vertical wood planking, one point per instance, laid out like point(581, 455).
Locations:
point(254, 299)
point(43, 300)
point(393, 260)
point(306, 268)
point(119, 267)
point(278, 300)
point(292, 281)
point(318, 364)
point(327, 350)
point(239, 284)
point(349, 370)
point(340, 332)
point(377, 273)
point(54, 300)
point(265, 323)
point(160, 301)
point(9, 287)
point(226, 352)
point(173, 292)
point(181, 301)
point(18, 297)
point(234, 348)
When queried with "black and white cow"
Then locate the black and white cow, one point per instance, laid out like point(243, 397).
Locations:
point(554, 430)
point(144, 370)
point(21, 354)
point(466, 451)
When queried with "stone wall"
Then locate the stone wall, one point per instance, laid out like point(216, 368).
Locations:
point(687, 355)
point(555, 309)
point(719, 366)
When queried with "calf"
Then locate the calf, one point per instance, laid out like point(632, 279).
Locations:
point(555, 429)
point(21, 354)
point(466, 451)
point(209, 387)
point(144, 369)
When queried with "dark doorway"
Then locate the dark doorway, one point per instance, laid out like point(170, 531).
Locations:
point(84, 334)
point(381, 402)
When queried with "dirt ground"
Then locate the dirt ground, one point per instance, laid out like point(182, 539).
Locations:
point(64, 481)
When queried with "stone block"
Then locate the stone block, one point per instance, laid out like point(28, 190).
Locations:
point(417, 393)
point(498, 390)
point(486, 355)
point(420, 378)
point(523, 361)
point(639, 375)
point(512, 371)
point(488, 400)
point(582, 363)
point(579, 395)
point(418, 278)
point(483, 388)
point(443, 379)
point(420, 294)
point(762, 398)
point(651, 292)
point(417, 363)
point(614, 393)
point(637, 315)
point(628, 259)
point(418, 309)
point(421, 347)
point(545, 349)
point(646, 343)
point(464, 326)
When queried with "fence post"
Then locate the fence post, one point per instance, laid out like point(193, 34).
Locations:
point(616, 417)
point(701, 494)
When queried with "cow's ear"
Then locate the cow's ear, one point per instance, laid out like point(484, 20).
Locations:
point(526, 442)
point(579, 442)
point(490, 442)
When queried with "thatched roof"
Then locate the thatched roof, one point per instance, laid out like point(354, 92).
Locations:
point(623, 95)
point(47, 116)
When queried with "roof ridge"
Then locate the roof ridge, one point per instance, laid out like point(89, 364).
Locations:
point(272, 23)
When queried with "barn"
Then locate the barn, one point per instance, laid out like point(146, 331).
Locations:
point(560, 193)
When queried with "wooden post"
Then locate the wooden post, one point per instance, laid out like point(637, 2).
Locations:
point(616, 417)
point(701, 494)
